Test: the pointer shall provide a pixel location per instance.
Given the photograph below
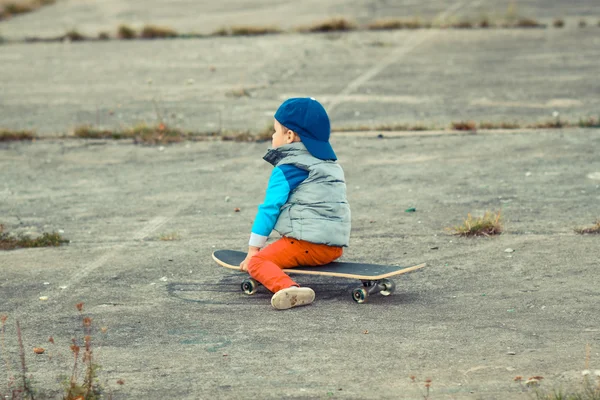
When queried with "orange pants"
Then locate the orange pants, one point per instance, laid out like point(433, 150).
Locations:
point(266, 266)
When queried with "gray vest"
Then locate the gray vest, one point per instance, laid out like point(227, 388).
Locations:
point(317, 210)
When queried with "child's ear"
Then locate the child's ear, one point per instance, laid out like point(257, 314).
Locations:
point(290, 136)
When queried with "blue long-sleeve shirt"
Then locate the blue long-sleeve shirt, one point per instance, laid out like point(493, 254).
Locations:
point(284, 179)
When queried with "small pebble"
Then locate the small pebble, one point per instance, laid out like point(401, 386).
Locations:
point(44, 298)
point(511, 353)
point(509, 250)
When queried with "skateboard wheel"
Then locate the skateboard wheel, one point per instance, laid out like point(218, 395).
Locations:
point(360, 295)
point(389, 287)
point(249, 286)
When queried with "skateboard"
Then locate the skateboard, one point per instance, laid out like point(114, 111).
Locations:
point(375, 278)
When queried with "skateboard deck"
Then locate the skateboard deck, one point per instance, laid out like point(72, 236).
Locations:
point(374, 277)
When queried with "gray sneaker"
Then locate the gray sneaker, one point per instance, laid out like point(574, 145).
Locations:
point(292, 297)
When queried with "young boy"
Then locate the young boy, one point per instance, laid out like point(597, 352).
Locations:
point(305, 202)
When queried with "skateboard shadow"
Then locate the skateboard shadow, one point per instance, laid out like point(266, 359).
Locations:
point(228, 292)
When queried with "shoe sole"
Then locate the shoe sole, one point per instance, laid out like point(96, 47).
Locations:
point(292, 297)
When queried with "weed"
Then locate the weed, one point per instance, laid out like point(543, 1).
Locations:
point(594, 229)
point(221, 32)
point(332, 25)
point(142, 133)
point(463, 25)
point(88, 132)
point(169, 237)
point(90, 388)
point(263, 136)
point(11, 9)
point(392, 24)
point(558, 23)
point(589, 388)
point(159, 134)
point(253, 30)
point(426, 384)
point(463, 126)
point(528, 23)
point(10, 242)
point(126, 32)
point(103, 36)
point(485, 23)
point(7, 135)
point(499, 125)
point(582, 23)
point(382, 127)
point(156, 32)
point(74, 36)
point(556, 123)
point(488, 225)
point(590, 122)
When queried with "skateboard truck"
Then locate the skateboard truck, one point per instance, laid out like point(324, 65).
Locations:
point(359, 295)
point(383, 286)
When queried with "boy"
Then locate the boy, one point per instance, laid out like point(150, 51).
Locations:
point(305, 202)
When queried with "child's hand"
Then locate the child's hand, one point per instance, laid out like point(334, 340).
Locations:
point(251, 252)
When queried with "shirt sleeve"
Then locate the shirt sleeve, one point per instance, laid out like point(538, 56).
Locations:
point(283, 180)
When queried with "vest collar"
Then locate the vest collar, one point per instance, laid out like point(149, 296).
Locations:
point(274, 156)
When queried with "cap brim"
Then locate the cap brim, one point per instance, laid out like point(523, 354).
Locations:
point(319, 149)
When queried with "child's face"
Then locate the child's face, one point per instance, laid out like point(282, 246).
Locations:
point(282, 136)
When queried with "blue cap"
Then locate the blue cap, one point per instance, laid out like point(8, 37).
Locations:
point(307, 117)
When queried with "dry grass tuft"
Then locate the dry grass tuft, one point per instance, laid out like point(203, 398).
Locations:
point(332, 25)
point(169, 237)
point(590, 122)
point(263, 136)
point(12, 8)
point(253, 30)
point(74, 36)
point(103, 36)
point(462, 25)
point(152, 135)
point(499, 125)
point(528, 23)
point(558, 23)
point(140, 134)
point(488, 225)
point(392, 24)
point(157, 32)
point(126, 32)
point(463, 126)
point(88, 132)
point(382, 127)
point(594, 229)
point(10, 242)
point(556, 123)
point(8, 135)
point(582, 23)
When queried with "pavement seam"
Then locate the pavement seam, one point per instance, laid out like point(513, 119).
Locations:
point(391, 58)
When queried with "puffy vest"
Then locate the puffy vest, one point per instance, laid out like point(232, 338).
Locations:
point(317, 210)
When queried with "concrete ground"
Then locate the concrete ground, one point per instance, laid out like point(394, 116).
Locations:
point(189, 16)
point(178, 325)
point(423, 77)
